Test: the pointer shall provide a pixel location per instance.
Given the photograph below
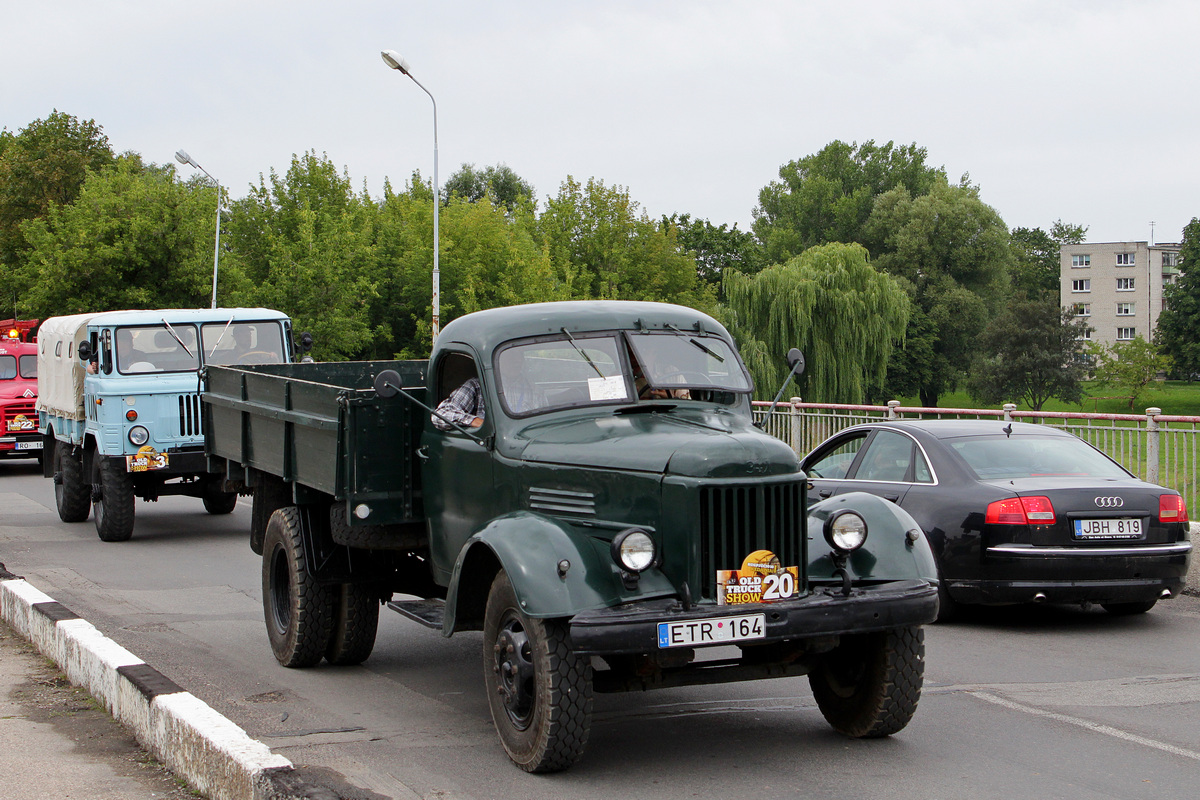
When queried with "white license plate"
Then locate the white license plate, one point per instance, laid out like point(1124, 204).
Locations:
point(35, 445)
point(712, 631)
point(1108, 529)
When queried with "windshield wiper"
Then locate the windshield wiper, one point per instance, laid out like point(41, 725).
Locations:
point(586, 358)
point(701, 345)
point(176, 335)
point(219, 338)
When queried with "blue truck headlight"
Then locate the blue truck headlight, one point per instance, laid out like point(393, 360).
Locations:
point(845, 531)
point(634, 550)
point(138, 436)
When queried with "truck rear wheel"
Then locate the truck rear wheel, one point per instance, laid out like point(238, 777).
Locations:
point(539, 690)
point(217, 501)
point(112, 500)
point(355, 621)
point(298, 610)
point(869, 685)
point(71, 494)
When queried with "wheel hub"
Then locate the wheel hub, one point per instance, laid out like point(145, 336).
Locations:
point(515, 672)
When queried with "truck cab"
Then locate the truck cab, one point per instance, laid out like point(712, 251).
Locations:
point(18, 392)
point(119, 407)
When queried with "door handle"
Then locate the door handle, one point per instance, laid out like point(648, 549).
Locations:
point(892, 497)
point(824, 492)
point(423, 453)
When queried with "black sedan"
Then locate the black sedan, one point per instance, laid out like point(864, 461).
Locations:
point(1017, 513)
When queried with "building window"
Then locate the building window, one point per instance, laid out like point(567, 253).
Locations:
point(1124, 284)
point(1083, 309)
point(1081, 261)
point(1124, 259)
point(1170, 259)
point(1087, 335)
point(1084, 285)
point(1125, 309)
point(1125, 334)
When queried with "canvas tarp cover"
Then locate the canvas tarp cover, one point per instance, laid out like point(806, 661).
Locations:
point(60, 370)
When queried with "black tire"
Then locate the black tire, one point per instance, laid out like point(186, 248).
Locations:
point(217, 501)
point(72, 494)
point(298, 610)
point(1129, 609)
point(869, 685)
point(539, 690)
point(355, 621)
point(112, 500)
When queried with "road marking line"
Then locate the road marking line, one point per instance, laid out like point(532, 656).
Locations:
point(1095, 727)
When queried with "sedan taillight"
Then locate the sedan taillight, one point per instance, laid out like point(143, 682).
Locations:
point(1171, 508)
point(1035, 510)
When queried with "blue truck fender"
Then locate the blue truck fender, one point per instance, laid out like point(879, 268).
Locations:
point(896, 547)
point(555, 570)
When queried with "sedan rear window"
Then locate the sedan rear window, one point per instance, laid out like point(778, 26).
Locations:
point(1005, 458)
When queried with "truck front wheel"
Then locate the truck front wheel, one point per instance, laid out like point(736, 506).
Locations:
point(217, 501)
point(71, 494)
point(539, 690)
point(869, 685)
point(298, 610)
point(112, 500)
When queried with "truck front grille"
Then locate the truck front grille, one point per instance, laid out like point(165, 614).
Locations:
point(735, 521)
point(14, 410)
point(189, 415)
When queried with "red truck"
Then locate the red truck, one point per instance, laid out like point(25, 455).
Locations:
point(19, 436)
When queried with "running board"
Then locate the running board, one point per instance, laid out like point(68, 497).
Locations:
point(427, 612)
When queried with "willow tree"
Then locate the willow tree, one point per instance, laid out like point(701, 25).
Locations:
point(832, 304)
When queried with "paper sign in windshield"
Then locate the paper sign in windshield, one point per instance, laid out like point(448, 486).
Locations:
point(607, 388)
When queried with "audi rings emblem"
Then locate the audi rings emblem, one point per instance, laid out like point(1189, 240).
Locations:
point(1109, 502)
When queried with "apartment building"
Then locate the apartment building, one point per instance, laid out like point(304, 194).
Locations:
point(1117, 287)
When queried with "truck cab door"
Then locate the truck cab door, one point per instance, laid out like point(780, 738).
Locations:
point(457, 468)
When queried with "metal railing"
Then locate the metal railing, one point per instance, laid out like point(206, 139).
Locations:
point(1156, 447)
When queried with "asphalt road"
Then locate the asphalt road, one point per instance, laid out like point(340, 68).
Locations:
point(1040, 702)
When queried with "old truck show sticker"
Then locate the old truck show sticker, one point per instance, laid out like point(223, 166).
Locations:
point(761, 579)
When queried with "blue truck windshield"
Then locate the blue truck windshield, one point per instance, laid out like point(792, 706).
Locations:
point(157, 348)
point(242, 342)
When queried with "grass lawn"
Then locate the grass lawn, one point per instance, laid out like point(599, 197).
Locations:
point(1173, 397)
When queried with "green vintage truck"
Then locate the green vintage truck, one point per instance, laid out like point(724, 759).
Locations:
point(614, 522)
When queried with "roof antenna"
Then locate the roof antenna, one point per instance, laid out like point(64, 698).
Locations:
point(1007, 430)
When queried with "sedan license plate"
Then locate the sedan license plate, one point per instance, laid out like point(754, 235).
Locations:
point(1108, 529)
point(35, 445)
point(712, 631)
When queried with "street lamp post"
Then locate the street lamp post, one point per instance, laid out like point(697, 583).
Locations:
point(183, 158)
point(395, 61)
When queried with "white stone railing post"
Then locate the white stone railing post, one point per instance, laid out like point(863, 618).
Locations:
point(1152, 444)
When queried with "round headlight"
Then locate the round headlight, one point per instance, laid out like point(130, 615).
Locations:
point(138, 435)
point(845, 531)
point(634, 550)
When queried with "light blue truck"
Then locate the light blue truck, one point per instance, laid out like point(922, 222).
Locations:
point(119, 405)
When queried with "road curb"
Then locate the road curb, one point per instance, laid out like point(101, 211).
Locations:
point(189, 737)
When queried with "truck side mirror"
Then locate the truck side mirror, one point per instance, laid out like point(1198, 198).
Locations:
point(387, 383)
point(306, 342)
point(795, 360)
point(84, 350)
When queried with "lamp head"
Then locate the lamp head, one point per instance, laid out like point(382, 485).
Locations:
point(183, 158)
point(395, 60)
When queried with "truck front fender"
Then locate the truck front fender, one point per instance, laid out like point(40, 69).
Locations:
point(890, 552)
point(555, 570)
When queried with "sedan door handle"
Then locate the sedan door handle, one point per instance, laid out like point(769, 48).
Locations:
point(892, 497)
point(824, 492)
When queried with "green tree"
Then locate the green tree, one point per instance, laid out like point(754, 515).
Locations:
point(499, 184)
point(953, 251)
point(306, 241)
point(1035, 262)
point(1178, 332)
point(1031, 352)
point(1066, 233)
point(134, 238)
point(45, 163)
point(1129, 366)
point(606, 249)
point(829, 196)
point(832, 304)
point(716, 248)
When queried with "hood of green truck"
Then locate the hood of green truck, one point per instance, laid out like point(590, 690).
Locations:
point(699, 444)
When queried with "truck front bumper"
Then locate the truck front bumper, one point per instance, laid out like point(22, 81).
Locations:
point(826, 611)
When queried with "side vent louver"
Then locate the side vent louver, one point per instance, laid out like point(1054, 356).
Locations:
point(559, 501)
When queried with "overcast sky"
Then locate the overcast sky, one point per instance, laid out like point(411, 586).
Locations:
point(1085, 111)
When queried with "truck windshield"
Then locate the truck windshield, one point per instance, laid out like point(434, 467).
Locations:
point(8, 368)
point(11, 366)
point(672, 362)
point(558, 373)
point(155, 348)
point(242, 342)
